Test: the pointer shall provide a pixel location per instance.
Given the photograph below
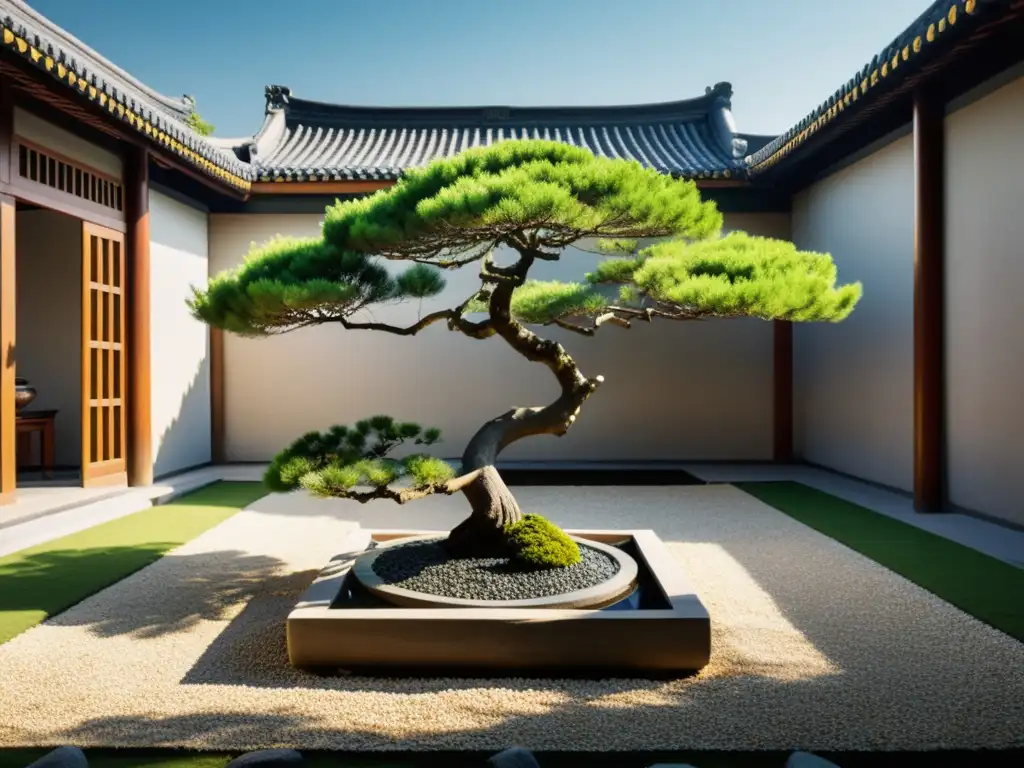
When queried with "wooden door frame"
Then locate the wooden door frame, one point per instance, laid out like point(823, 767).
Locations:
point(112, 471)
point(133, 221)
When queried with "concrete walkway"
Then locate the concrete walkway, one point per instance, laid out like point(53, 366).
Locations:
point(994, 540)
point(38, 530)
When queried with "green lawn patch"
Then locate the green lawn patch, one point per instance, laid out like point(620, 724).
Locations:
point(44, 580)
point(986, 588)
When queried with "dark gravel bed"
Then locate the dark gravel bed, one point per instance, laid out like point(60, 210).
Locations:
point(423, 566)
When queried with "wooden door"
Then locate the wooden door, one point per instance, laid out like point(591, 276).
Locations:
point(104, 379)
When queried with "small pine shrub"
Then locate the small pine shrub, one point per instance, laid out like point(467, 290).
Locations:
point(539, 543)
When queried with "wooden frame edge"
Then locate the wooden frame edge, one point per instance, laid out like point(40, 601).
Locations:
point(139, 451)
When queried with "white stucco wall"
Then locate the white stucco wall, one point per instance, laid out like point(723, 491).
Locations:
point(984, 355)
point(853, 395)
point(180, 345)
point(50, 136)
point(672, 390)
point(48, 330)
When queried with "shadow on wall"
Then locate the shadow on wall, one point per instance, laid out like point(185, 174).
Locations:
point(180, 381)
point(181, 445)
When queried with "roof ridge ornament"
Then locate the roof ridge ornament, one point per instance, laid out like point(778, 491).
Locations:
point(722, 90)
point(722, 121)
point(278, 96)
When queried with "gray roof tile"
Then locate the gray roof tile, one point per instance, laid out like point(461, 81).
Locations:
point(307, 140)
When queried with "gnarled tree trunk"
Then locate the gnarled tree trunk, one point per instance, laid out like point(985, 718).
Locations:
point(491, 503)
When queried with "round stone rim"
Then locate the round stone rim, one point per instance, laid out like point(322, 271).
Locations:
point(608, 592)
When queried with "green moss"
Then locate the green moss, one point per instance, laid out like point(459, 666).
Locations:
point(539, 543)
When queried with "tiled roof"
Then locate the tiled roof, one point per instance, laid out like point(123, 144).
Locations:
point(51, 49)
point(938, 27)
point(310, 141)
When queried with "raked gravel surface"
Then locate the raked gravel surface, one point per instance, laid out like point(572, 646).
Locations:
point(815, 647)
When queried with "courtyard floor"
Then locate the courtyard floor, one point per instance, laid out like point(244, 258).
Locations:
point(815, 647)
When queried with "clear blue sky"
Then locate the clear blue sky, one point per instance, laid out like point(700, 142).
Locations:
point(782, 56)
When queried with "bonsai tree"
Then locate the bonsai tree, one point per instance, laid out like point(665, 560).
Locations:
point(533, 199)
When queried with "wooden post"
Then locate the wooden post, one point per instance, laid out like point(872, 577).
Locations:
point(929, 246)
point(217, 450)
point(8, 307)
point(782, 380)
point(140, 435)
point(8, 315)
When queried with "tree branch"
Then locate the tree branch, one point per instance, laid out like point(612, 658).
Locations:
point(411, 330)
point(454, 318)
point(405, 495)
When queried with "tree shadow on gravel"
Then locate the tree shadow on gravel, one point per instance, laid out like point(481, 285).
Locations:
point(879, 637)
point(639, 735)
point(179, 591)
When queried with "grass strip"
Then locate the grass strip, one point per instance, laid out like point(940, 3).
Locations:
point(982, 586)
point(41, 581)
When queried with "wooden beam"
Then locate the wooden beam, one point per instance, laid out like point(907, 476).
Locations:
point(218, 453)
point(318, 187)
point(782, 390)
point(8, 316)
point(929, 247)
point(45, 197)
point(140, 434)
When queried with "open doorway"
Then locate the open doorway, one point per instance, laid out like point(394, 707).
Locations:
point(70, 359)
point(48, 248)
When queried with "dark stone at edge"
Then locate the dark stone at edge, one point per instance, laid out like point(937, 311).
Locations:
point(62, 757)
point(269, 758)
point(513, 757)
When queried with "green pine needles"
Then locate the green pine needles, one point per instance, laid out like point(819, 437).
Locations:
point(738, 275)
point(531, 200)
point(335, 462)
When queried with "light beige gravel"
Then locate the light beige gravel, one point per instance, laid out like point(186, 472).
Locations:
point(815, 647)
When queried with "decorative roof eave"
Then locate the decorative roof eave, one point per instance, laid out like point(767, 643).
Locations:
point(334, 175)
point(932, 27)
point(148, 121)
point(280, 98)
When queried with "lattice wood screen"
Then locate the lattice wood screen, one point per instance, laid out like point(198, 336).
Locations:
point(104, 418)
point(59, 173)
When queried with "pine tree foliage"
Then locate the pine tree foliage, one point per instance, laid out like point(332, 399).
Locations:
point(535, 199)
point(337, 461)
point(542, 195)
point(289, 283)
point(738, 275)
